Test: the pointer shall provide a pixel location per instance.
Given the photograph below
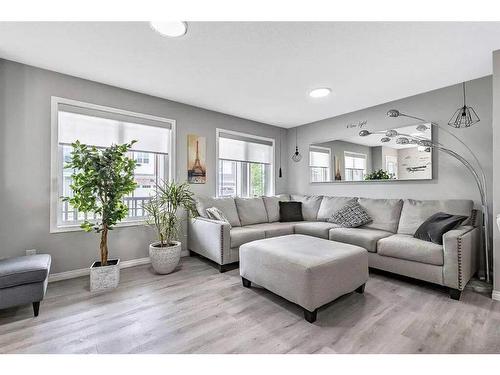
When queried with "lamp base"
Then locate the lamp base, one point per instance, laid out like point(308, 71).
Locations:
point(479, 286)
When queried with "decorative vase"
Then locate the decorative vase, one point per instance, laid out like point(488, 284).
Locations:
point(165, 259)
point(104, 278)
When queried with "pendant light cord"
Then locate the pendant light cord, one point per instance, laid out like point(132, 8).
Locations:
point(463, 85)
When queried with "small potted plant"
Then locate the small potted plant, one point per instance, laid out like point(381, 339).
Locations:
point(163, 211)
point(101, 179)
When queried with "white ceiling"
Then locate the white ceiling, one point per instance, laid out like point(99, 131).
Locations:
point(263, 70)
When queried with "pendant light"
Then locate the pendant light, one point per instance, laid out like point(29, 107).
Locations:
point(296, 157)
point(464, 116)
point(280, 173)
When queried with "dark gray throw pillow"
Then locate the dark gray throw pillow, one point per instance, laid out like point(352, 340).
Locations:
point(434, 227)
point(290, 211)
point(352, 215)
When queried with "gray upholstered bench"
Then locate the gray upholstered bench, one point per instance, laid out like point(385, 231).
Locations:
point(24, 280)
point(308, 271)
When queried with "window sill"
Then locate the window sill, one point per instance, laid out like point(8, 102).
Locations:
point(77, 228)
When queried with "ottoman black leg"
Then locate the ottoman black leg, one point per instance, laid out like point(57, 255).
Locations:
point(36, 308)
point(361, 289)
point(455, 294)
point(246, 283)
point(310, 316)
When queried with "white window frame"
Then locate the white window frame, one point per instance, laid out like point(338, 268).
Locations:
point(330, 169)
point(272, 140)
point(347, 153)
point(56, 166)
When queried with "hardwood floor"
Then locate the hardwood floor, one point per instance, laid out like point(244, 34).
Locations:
point(199, 310)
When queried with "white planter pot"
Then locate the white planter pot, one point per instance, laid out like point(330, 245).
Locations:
point(104, 278)
point(165, 259)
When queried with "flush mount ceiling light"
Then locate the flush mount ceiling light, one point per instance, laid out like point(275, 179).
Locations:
point(171, 29)
point(320, 92)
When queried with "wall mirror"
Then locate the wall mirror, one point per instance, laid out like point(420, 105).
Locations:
point(380, 157)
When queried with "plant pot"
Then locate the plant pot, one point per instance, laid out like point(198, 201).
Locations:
point(104, 277)
point(165, 259)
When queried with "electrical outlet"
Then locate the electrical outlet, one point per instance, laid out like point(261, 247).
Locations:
point(31, 252)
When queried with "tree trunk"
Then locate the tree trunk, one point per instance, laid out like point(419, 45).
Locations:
point(104, 246)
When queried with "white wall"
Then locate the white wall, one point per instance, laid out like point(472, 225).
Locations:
point(25, 160)
point(451, 179)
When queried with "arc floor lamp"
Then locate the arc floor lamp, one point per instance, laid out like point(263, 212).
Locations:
point(474, 168)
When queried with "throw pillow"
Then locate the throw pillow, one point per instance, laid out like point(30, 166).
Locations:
point(215, 214)
point(290, 211)
point(434, 227)
point(352, 215)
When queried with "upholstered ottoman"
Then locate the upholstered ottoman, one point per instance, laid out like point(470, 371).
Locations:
point(308, 271)
point(24, 280)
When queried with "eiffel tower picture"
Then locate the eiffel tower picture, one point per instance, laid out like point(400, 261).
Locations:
point(197, 173)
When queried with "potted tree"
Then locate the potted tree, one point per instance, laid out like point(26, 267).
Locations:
point(163, 211)
point(101, 178)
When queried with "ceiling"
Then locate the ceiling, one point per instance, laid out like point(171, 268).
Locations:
point(263, 70)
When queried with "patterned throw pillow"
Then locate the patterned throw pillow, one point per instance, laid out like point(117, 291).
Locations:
point(352, 215)
point(215, 214)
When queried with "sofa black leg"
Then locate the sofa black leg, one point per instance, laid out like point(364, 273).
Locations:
point(361, 289)
point(223, 268)
point(246, 283)
point(455, 294)
point(192, 253)
point(36, 308)
point(310, 316)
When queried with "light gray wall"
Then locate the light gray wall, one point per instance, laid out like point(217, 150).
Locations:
point(496, 170)
point(451, 180)
point(25, 160)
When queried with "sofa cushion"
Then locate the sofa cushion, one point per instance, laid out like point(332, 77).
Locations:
point(24, 270)
point(364, 237)
point(272, 206)
point(274, 229)
point(315, 228)
point(251, 210)
point(241, 235)
point(290, 211)
point(226, 205)
point(310, 205)
point(215, 214)
point(330, 205)
point(385, 213)
point(405, 246)
point(352, 215)
point(415, 212)
point(437, 225)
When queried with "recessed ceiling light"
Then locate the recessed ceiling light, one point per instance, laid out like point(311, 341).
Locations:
point(171, 29)
point(320, 92)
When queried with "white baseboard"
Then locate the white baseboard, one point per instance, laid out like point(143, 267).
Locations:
point(496, 295)
point(85, 271)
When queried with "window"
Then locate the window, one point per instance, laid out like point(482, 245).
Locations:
point(391, 166)
point(100, 127)
point(355, 166)
point(319, 163)
point(245, 165)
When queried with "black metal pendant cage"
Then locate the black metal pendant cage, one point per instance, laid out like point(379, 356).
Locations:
point(464, 116)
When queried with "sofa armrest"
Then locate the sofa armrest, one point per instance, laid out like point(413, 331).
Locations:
point(210, 238)
point(460, 256)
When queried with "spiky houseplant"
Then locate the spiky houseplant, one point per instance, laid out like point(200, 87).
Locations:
point(164, 216)
point(101, 179)
point(163, 210)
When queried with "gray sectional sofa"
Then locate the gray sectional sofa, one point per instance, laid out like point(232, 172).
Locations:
point(388, 238)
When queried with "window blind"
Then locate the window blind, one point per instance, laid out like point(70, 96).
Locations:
point(319, 158)
point(102, 129)
point(246, 149)
point(355, 161)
